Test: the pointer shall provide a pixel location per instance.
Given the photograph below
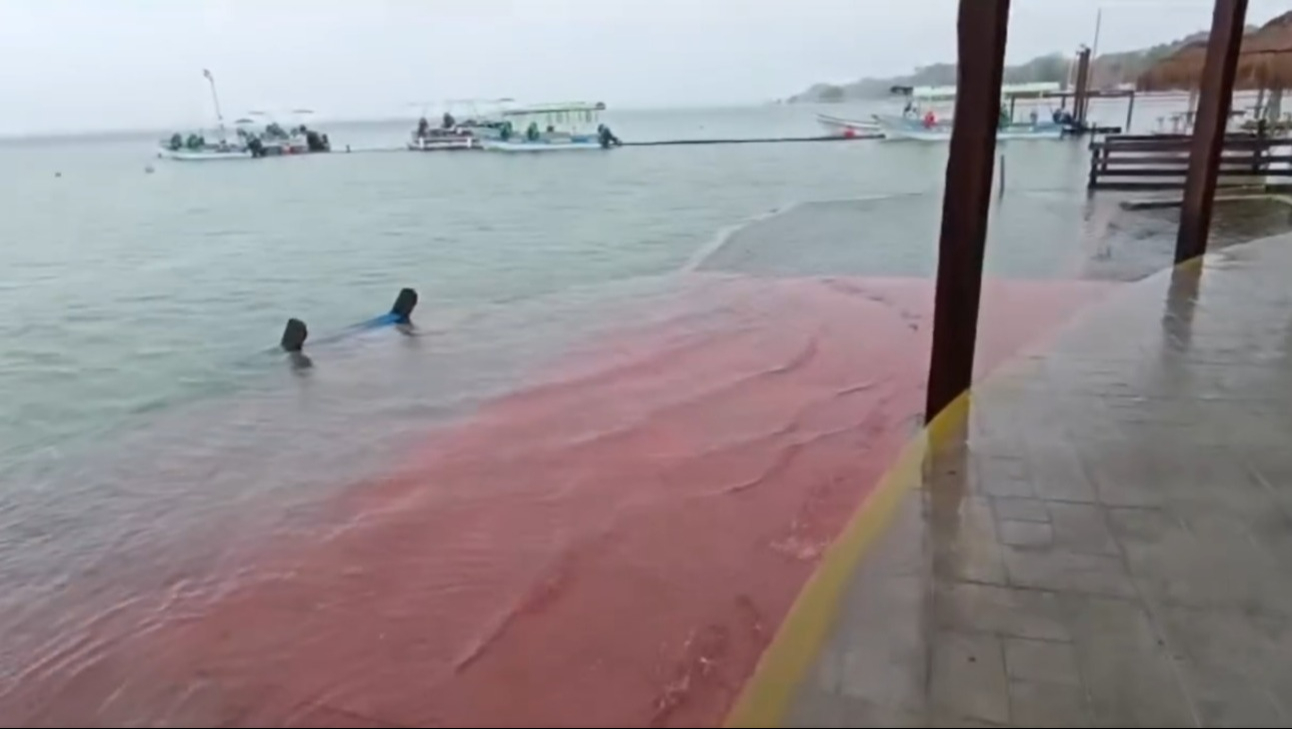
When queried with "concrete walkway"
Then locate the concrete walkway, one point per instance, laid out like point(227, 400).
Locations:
point(1102, 537)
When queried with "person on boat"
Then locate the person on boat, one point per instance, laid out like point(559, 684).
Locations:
point(176, 142)
point(909, 110)
point(423, 128)
point(448, 122)
point(531, 133)
point(1035, 117)
point(930, 119)
point(1005, 119)
point(607, 137)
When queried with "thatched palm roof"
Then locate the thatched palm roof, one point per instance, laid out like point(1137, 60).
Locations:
point(1264, 62)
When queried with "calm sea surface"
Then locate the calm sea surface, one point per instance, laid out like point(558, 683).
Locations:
point(124, 292)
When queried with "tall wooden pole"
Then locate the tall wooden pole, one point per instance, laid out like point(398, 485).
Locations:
point(1081, 96)
point(1217, 90)
point(982, 31)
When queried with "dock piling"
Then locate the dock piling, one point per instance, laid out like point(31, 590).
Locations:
point(1227, 28)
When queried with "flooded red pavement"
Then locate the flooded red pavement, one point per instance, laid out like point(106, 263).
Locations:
point(614, 545)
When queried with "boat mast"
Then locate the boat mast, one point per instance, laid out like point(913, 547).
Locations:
point(216, 98)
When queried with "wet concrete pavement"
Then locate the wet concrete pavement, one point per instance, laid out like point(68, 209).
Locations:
point(1098, 537)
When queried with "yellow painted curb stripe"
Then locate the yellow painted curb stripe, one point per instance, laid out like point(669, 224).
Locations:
point(767, 696)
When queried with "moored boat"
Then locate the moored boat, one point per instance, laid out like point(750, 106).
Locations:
point(918, 120)
point(274, 141)
point(926, 130)
point(195, 148)
point(448, 136)
point(848, 128)
point(464, 124)
point(553, 128)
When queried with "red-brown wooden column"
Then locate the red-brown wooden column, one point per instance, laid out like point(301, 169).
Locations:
point(1217, 90)
point(982, 30)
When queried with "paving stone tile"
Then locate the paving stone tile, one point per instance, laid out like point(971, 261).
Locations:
point(1041, 661)
point(1017, 509)
point(968, 676)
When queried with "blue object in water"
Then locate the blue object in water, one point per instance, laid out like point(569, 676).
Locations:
point(401, 313)
point(380, 321)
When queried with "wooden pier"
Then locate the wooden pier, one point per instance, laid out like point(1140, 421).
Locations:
point(1161, 161)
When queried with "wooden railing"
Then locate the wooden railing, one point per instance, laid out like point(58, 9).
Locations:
point(1161, 161)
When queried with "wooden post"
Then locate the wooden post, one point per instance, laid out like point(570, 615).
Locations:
point(1081, 95)
point(982, 30)
point(1227, 27)
point(1095, 153)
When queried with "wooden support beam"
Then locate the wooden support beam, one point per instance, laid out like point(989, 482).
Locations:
point(982, 31)
point(1081, 100)
point(1227, 25)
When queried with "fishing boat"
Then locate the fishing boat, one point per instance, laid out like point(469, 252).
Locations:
point(848, 128)
point(918, 120)
point(448, 136)
point(462, 125)
point(247, 143)
point(275, 140)
point(924, 129)
point(553, 128)
point(195, 148)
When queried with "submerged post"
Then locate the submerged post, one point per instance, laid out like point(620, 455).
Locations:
point(982, 29)
point(1217, 90)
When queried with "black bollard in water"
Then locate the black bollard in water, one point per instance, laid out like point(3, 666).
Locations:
point(404, 305)
point(294, 335)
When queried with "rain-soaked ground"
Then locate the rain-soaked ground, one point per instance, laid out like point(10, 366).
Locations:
point(601, 528)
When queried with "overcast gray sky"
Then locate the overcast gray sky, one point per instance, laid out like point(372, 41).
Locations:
point(69, 65)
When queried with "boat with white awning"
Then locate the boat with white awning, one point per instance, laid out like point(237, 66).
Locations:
point(552, 128)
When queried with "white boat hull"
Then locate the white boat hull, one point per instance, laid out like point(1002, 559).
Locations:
point(498, 145)
point(915, 130)
point(442, 144)
point(203, 155)
point(840, 127)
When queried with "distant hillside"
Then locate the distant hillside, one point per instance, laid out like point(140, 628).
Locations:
point(1107, 70)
